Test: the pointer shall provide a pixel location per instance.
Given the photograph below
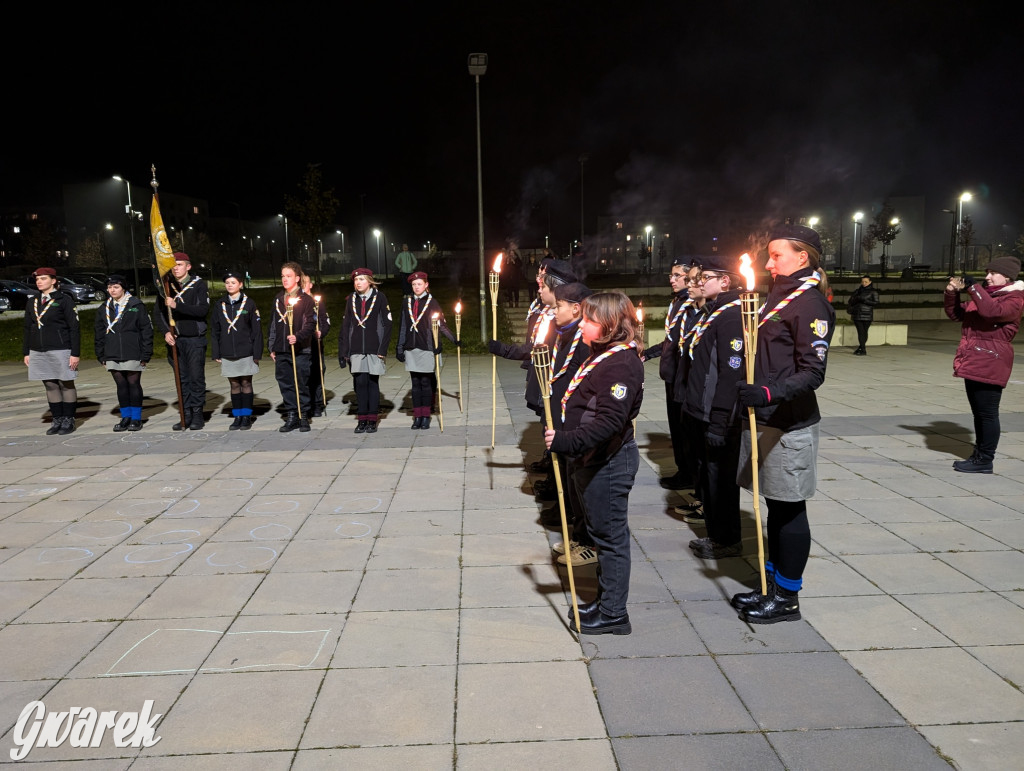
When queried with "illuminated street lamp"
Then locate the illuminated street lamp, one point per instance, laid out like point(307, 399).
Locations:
point(856, 239)
point(376, 235)
point(131, 231)
point(961, 250)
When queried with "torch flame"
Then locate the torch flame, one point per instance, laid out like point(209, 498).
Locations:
point(434, 316)
point(747, 271)
point(458, 307)
point(640, 314)
point(316, 297)
point(292, 301)
point(542, 330)
point(497, 263)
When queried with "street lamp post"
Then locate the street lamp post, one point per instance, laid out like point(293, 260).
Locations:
point(284, 218)
point(960, 250)
point(131, 232)
point(856, 243)
point(477, 67)
point(376, 235)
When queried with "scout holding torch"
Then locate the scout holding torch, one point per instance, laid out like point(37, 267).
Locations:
point(493, 279)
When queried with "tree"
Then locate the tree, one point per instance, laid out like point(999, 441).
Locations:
point(885, 227)
point(43, 244)
point(92, 253)
point(312, 212)
point(964, 239)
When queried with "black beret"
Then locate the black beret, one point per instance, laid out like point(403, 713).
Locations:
point(117, 278)
point(233, 274)
point(796, 233)
point(720, 264)
point(573, 292)
point(561, 270)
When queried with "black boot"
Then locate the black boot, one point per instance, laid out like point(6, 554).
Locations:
point(57, 415)
point(135, 425)
point(371, 426)
point(976, 464)
point(746, 600)
point(360, 427)
point(68, 426)
point(196, 421)
point(303, 425)
point(425, 424)
point(183, 422)
point(236, 410)
point(781, 605)
point(123, 425)
point(246, 423)
point(236, 423)
point(291, 422)
point(416, 423)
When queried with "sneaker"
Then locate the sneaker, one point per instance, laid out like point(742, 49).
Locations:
point(692, 516)
point(700, 543)
point(559, 547)
point(716, 551)
point(581, 555)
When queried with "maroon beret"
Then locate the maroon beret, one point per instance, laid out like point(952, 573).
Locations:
point(45, 272)
point(362, 272)
point(182, 257)
point(419, 274)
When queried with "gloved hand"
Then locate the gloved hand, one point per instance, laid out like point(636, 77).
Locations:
point(714, 439)
point(494, 347)
point(400, 355)
point(342, 362)
point(437, 351)
point(969, 281)
point(458, 343)
point(753, 395)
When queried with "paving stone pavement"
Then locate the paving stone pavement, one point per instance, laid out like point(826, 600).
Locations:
point(332, 600)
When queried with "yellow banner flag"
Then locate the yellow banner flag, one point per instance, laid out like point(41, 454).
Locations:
point(161, 245)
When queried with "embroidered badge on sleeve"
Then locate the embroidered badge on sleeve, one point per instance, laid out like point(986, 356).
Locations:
point(619, 391)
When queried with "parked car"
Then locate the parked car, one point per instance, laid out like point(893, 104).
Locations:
point(5, 300)
point(83, 293)
point(19, 293)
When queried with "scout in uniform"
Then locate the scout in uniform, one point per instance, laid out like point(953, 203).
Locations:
point(285, 346)
point(236, 337)
point(363, 345)
point(124, 345)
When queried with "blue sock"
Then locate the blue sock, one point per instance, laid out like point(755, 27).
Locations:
point(126, 412)
point(236, 412)
point(245, 411)
point(136, 413)
point(789, 584)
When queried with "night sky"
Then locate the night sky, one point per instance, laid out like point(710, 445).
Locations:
point(780, 107)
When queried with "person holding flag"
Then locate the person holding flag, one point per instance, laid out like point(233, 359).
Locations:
point(237, 342)
point(181, 316)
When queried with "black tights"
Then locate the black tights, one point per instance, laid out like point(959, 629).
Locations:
point(240, 385)
point(61, 391)
point(129, 387)
point(789, 541)
point(984, 399)
point(423, 386)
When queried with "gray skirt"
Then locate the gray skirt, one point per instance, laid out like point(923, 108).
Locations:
point(50, 365)
point(787, 463)
point(243, 367)
point(418, 360)
point(132, 365)
point(369, 362)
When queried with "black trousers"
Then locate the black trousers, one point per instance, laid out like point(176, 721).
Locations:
point(286, 376)
point(317, 368)
point(717, 485)
point(984, 399)
point(192, 369)
point(367, 388)
point(678, 435)
point(862, 332)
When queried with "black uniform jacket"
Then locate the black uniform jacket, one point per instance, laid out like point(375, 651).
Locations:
point(566, 336)
point(691, 318)
point(421, 336)
point(366, 332)
point(245, 338)
point(303, 324)
point(128, 339)
point(717, 365)
point(521, 352)
point(59, 330)
point(599, 413)
point(193, 304)
point(668, 351)
point(792, 351)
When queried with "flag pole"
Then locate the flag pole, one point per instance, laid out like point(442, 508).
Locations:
point(164, 262)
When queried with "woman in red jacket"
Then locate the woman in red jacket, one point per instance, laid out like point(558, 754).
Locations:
point(984, 357)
